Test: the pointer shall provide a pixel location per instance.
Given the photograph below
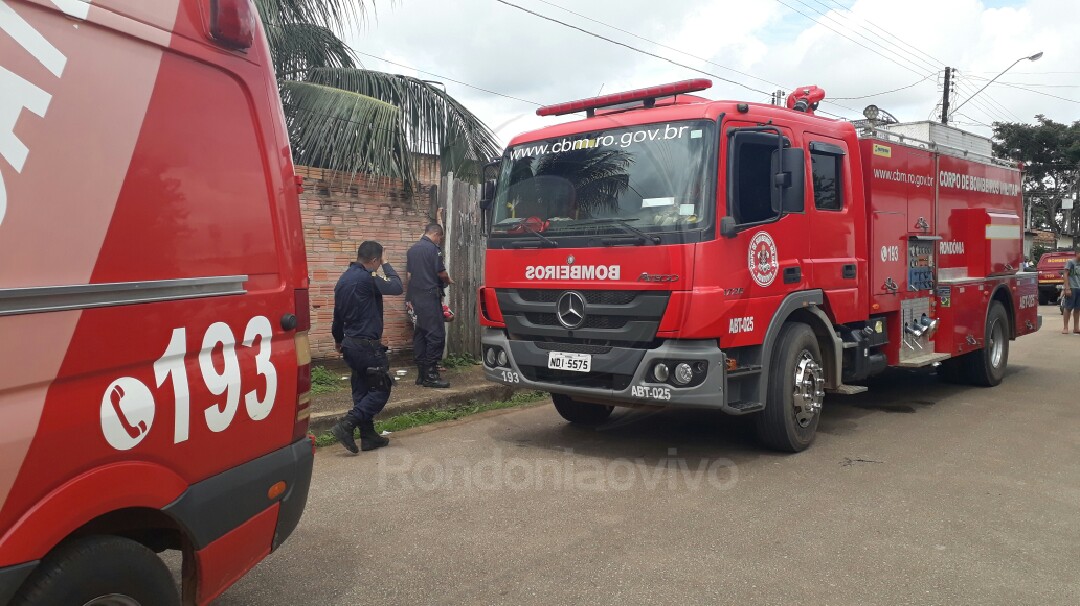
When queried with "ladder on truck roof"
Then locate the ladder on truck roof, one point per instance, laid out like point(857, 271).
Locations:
point(884, 134)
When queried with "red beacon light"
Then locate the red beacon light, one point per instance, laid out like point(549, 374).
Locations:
point(805, 99)
point(648, 95)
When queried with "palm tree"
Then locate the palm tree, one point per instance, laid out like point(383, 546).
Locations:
point(345, 118)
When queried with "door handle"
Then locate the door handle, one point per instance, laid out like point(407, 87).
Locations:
point(792, 275)
point(848, 271)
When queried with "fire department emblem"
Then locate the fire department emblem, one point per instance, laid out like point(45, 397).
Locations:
point(763, 260)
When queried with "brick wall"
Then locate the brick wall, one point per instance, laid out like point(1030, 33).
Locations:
point(338, 214)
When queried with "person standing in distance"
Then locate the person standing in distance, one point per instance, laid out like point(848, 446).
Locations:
point(357, 330)
point(427, 277)
point(1070, 297)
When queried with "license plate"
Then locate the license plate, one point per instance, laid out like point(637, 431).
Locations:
point(569, 361)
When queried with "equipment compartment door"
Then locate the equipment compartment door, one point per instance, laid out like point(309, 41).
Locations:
point(888, 260)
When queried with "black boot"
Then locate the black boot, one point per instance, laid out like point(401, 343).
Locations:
point(343, 431)
point(421, 372)
point(369, 438)
point(432, 378)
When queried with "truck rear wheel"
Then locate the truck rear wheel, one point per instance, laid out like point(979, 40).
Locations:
point(795, 393)
point(580, 413)
point(100, 571)
point(987, 366)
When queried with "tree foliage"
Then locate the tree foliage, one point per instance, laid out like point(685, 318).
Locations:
point(345, 118)
point(1050, 152)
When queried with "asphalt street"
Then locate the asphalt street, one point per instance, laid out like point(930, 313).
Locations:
point(916, 492)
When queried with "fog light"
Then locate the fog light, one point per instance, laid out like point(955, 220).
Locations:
point(489, 357)
point(683, 374)
point(661, 373)
point(503, 360)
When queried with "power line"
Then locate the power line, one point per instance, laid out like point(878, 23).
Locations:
point(924, 64)
point(888, 33)
point(660, 44)
point(841, 34)
point(651, 54)
point(403, 66)
point(912, 85)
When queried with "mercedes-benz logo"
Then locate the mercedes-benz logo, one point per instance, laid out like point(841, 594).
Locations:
point(570, 309)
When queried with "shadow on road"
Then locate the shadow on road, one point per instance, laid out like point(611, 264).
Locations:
point(653, 434)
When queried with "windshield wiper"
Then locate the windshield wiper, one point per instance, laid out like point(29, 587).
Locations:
point(547, 242)
point(623, 223)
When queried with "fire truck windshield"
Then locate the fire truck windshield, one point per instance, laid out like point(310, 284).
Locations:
point(654, 178)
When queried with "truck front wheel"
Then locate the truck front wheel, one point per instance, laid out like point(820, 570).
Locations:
point(580, 413)
point(100, 571)
point(987, 366)
point(796, 391)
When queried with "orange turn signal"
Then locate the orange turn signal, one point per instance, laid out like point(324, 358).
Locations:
point(276, 490)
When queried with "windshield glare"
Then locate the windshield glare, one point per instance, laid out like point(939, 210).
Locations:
point(655, 177)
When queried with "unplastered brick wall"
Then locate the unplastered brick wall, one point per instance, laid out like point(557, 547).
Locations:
point(340, 213)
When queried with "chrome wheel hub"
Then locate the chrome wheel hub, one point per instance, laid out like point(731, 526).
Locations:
point(997, 344)
point(809, 388)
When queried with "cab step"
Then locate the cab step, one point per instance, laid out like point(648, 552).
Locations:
point(746, 407)
point(924, 360)
point(849, 390)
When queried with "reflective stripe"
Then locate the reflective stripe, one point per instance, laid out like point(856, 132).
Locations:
point(14, 301)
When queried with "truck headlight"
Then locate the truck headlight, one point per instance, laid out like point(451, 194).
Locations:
point(503, 360)
point(660, 372)
point(683, 374)
point(489, 357)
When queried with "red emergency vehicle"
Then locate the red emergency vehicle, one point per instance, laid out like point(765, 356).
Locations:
point(154, 366)
point(1051, 270)
point(668, 250)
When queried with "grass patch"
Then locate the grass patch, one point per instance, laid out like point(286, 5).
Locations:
point(324, 380)
point(409, 420)
point(460, 361)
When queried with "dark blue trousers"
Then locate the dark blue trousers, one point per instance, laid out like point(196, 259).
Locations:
point(429, 336)
point(369, 397)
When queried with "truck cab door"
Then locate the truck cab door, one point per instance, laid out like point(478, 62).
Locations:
point(832, 262)
point(764, 246)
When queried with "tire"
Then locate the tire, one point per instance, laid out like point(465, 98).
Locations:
point(786, 424)
point(101, 570)
point(1044, 299)
point(986, 367)
point(580, 413)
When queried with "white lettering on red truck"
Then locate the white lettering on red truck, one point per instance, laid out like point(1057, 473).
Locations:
point(950, 248)
point(573, 272)
point(128, 406)
point(20, 93)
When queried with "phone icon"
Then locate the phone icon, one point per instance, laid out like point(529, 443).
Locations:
point(115, 395)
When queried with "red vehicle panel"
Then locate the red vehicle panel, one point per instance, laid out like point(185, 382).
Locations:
point(155, 355)
point(807, 259)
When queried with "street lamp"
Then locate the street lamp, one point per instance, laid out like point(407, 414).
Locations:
point(1034, 57)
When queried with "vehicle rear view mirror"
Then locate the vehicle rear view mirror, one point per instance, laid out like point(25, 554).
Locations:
point(728, 227)
point(789, 180)
point(487, 195)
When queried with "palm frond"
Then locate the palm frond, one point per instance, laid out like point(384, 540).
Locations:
point(297, 47)
point(433, 122)
point(344, 131)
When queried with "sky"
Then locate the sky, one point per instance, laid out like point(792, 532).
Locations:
point(859, 51)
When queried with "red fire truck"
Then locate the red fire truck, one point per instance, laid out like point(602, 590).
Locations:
point(154, 365)
point(672, 251)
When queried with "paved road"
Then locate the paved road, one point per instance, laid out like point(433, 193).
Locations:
point(915, 493)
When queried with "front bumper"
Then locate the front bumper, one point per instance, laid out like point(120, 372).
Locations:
point(526, 359)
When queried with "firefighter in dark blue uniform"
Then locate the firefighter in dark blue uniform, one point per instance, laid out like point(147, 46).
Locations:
point(357, 330)
point(427, 278)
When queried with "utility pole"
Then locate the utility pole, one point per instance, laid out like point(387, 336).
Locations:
point(945, 97)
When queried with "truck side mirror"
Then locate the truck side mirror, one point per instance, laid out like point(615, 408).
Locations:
point(789, 180)
point(487, 195)
point(728, 227)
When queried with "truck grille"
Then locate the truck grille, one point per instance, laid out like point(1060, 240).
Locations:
point(625, 318)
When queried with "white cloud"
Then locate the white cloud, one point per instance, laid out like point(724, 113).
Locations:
point(500, 48)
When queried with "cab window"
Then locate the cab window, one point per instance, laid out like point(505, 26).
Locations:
point(827, 172)
point(750, 174)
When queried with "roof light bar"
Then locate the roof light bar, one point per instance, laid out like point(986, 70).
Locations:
point(642, 94)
